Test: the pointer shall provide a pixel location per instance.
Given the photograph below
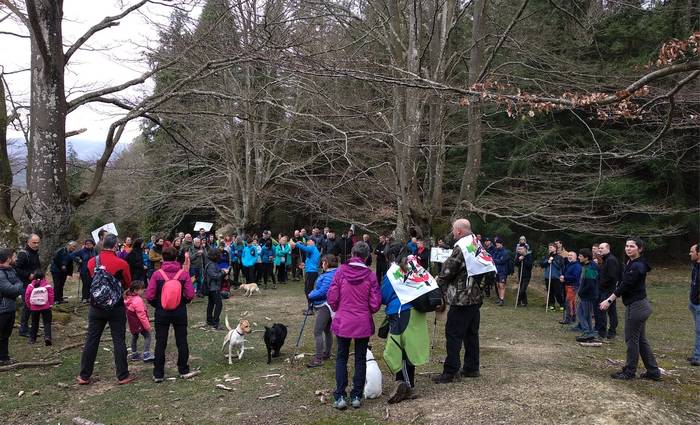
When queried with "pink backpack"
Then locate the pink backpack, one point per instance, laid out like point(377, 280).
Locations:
point(171, 291)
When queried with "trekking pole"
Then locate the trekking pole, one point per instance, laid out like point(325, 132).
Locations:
point(549, 287)
point(303, 324)
point(520, 281)
point(432, 342)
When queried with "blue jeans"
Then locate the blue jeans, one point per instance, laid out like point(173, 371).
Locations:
point(341, 367)
point(695, 310)
point(584, 313)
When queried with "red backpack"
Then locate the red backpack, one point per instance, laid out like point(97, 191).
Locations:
point(171, 291)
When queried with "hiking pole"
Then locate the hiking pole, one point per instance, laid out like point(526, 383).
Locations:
point(549, 287)
point(432, 342)
point(303, 324)
point(520, 282)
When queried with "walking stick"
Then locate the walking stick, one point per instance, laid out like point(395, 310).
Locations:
point(549, 287)
point(432, 342)
point(303, 324)
point(520, 282)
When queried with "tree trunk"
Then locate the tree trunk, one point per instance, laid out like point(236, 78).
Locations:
point(472, 167)
point(8, 227)
point(48, 209)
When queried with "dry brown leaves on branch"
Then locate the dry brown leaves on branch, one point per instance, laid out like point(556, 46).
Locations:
point(675, 51)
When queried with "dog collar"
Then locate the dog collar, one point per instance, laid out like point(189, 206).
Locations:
point(239, 333)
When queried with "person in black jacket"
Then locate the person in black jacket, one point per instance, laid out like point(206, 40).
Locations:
point(135, 260)
point(213, 277)
point(694, 304)
point(10, 288)
point(609, 277)
point(379, 251)
point(61, 268)
point(26, 265)
point(633, 291)
point(523, 261)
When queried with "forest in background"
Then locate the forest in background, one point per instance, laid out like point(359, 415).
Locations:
point(573, 120)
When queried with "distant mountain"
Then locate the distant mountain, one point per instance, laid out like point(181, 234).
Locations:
point(87, 150)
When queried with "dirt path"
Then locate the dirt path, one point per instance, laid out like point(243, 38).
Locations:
point(532, 372)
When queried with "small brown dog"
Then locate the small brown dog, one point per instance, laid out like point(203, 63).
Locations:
point(249, 288)
point(236, 337)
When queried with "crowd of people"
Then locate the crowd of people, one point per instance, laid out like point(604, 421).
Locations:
point(342, 292)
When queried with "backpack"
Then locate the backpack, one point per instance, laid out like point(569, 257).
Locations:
point(171, 291)
point(428, 302)
point(510, 264)
point(105, 291)
point(39, 296)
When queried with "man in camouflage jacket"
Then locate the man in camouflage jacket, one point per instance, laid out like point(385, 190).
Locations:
point(464, 296)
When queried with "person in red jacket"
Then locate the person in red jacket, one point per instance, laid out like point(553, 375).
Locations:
point(98, 318)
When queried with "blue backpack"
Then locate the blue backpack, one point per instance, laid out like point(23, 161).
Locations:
point(105, 291)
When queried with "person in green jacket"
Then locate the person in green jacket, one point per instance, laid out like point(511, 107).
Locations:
point(283, 259)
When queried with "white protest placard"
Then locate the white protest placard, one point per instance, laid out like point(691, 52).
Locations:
point(110, 228)
point(439, 255)
point(203, 225)
point(411, 286)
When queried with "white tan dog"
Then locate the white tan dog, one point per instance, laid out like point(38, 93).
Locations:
point(373, 379)
point(236, 337)
point(249, 288)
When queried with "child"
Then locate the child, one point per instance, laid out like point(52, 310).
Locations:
point(137, 316)
point(39, 297)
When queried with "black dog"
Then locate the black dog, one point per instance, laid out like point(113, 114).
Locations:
point(274, 340)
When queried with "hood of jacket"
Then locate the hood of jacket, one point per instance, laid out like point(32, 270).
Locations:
point(355, 271)
point(171, 267)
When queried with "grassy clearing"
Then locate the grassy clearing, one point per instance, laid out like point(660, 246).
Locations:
point(532, 371)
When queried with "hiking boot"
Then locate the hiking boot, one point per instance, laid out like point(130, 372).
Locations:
point(315, 362)
point(622, 375)
point(148, 357)
point(189, 375)
point(695, 362)
point(444, 378)
point(470, 373)
point(401, 392)
point(356, 402)
point(611, 335)
point(157, 380)
point(584, 338)
point(552, 308)
point(84, 381)
point(135, 356)
point(48, 343)
point(340, 403)
point(564, 322)
point(560, 309)
point(129, 379)
point(326, 356)
point(650, 376)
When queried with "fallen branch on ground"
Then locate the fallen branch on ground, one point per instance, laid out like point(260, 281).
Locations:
point(24, 365)
point(269, 396)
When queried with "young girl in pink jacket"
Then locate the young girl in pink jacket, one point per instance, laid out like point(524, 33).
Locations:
point(39, 298)
point(137, 316)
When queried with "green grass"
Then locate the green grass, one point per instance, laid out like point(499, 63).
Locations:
point(532, 371)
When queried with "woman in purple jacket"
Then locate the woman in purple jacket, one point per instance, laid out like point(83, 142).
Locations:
point(355, 296)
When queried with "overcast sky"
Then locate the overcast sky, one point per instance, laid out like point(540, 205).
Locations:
point(117, 55)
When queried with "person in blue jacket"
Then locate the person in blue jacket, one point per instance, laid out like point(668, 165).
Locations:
point(84, 255)
point(553, 265)
point(570, 278)
point(501, 257)
point(236, 252)
point(267, 255)
point(312, 258)
point(322, 327)
point(249, 258)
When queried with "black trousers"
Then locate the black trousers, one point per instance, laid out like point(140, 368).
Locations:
point(85, 289)
point(282, 273)
point(162, 325)
point(601, 317)
point(268, 273)
point(555, 293)
point(214, 306)
point(24, 317)
point(235, 271)
point(249, 274)
point(381, 271)
point(295, 266)
point(522, 298)
point(97, 320)
point(59, 282)
point(462, 329)
point(7, 322)
point(309, 283)
point(46, 320)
